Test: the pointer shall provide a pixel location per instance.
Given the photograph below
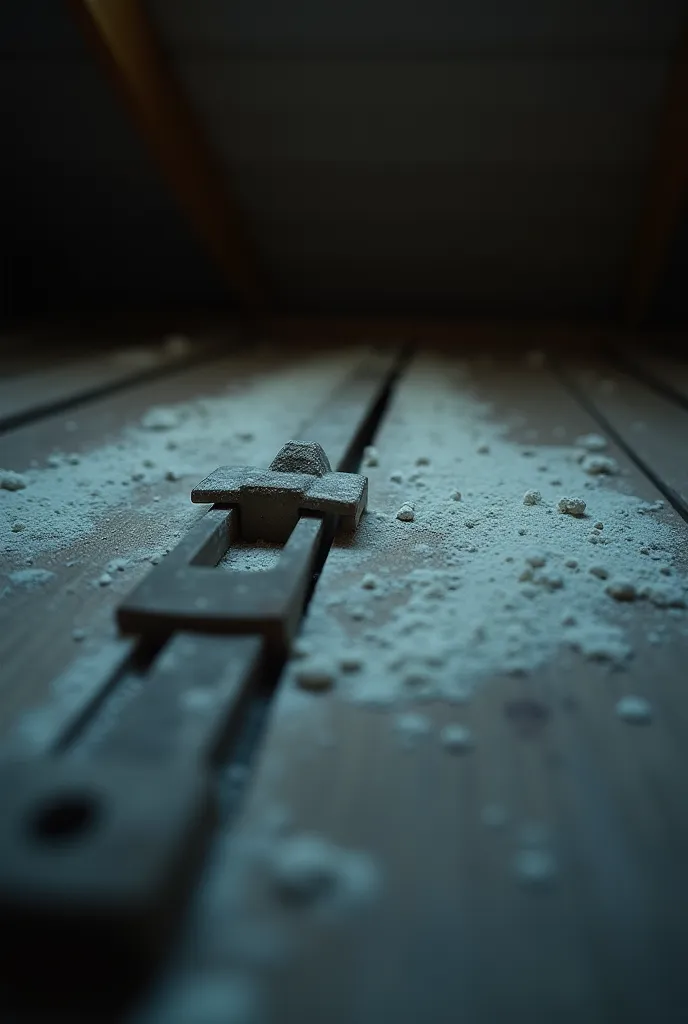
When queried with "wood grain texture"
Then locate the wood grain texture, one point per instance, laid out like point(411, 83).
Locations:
point(450, 933)
point(124, 40)
point(271, 395)
point(651, 426)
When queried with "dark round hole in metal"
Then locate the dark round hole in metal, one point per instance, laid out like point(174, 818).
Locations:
point(64, 817)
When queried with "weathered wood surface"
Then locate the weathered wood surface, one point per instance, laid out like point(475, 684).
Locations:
point(267, 394)
point(666, 372)
point(37, 391)
point(649, 423)
point(449, 933)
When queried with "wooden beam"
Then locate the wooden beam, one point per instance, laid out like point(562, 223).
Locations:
point(667, 196)
point(125, 42)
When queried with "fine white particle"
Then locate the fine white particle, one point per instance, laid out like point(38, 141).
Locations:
point(307, 868)
point(571, 506)
point(315, 676)
point(456, 495)
point(535, 868)
point(594, 465)
point(105, 580)
point(532, 498)
point(161, 418)
point(17, 527)
point(457, 739)
point(592, 442)
point(411, 726)
point(11, 481)
point(78, 634)
point(370, 456)
point(664, 595)
point(369, 581)
point(406, 513)
point(599, 526)
point(635, 710)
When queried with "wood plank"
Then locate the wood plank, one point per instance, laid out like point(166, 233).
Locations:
point(667, 192)
point(652, 427)
point(448, 931)
point(663, 371)
point(124, 41)
point(240, 408)
point(67, 382)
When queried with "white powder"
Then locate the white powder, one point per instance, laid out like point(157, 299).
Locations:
point(592, 442)
point(11, 481)
point(307, 867)
point(594, 465)
point(315, 675)
point(63, 502)
point(457, 739)
point(535, 868)
point(449, 605)
point(635, 710)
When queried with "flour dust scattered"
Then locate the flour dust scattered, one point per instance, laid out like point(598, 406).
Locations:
point(481, 556)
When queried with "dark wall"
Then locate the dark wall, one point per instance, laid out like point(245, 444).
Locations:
point(86, 223)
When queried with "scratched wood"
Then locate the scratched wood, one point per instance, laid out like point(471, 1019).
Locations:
point(651, 424)
point(449, 934)
point(271, 395)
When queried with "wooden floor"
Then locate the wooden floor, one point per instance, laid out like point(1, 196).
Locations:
point(538, 875)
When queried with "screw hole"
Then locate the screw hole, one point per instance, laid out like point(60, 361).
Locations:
point(63, 818)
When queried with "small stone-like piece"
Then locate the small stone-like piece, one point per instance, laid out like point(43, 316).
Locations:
point(594, 465)
point(532, 498)
point(11, 481)
point(571, 506)
point(571, 563)
point(369, 582)
point(105, 580)
point(161, 418)
point(483, 449)
point(302, 457)
point(17, 527)
point(599, 526)
point(396, 477)
point(599, 571)
point(635, 710)
point(78, 634)
point(536, 559)
point(406, 513)
point(457, 739)
point(592, 442)
point(316, 676)
point(622, 590)
point(351, 663)
point(423, 460)
point(456, 495)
